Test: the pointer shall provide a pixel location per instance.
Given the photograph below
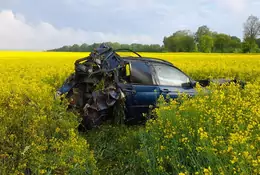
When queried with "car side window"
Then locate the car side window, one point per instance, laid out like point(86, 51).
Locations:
point(141, 73)
point(170, 76)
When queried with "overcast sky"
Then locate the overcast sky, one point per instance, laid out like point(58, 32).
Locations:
point(46, 24)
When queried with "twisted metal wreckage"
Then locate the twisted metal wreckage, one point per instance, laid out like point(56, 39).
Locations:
point(100, 89)
point(94, 89)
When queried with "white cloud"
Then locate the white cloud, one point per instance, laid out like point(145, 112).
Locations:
point(17, 33)
point(236, 6)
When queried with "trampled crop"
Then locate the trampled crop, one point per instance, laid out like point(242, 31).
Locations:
point(211, 133)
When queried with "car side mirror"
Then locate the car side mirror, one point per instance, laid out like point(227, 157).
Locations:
point(186, 85)
point(193, 83)
point(189, 84)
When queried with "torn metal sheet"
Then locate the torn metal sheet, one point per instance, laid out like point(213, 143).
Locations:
point(105, 86)
point(93, 86)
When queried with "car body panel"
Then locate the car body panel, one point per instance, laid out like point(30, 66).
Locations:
point(174, 92)
point(141, 97)
point(141, 85)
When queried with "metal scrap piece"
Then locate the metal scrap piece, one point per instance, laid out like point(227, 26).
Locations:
point(93, 85)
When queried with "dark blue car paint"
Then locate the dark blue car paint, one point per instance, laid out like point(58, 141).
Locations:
point(139, 97)
point(145, 96)
point(66, 88)
point(174, 92)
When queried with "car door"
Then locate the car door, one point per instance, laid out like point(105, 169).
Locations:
point(144, 90)
point(172, 81)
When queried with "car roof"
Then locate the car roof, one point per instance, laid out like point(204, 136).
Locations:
point(147, 59)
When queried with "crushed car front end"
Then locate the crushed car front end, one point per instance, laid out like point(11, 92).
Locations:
point(105, 86)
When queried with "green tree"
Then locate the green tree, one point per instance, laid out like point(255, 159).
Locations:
point(200, 37)
point(180, 41)
point(206, 43)
point(251, 32)
point(75, 48)
point(202, 30)
point(155, 48)
point(235, 44)
point(116, 45)
point(64, 48)
point(249, 47)
point(258, 42)
point(221, 43)
point(196, 48)
point(83, 47)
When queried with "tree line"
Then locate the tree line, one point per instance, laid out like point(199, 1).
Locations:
point(203, 40)
point(88, 48)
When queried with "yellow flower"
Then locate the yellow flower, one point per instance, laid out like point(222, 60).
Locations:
point(207, 171)
point(234, 160)
point(162, 147)
point(43, 171)
point(57, 130)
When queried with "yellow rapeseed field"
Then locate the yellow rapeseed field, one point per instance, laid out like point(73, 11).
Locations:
point(211, 133)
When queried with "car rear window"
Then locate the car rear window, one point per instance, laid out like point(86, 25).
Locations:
point(141, 73)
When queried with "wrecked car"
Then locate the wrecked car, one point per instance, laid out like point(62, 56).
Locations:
point(106, 86)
